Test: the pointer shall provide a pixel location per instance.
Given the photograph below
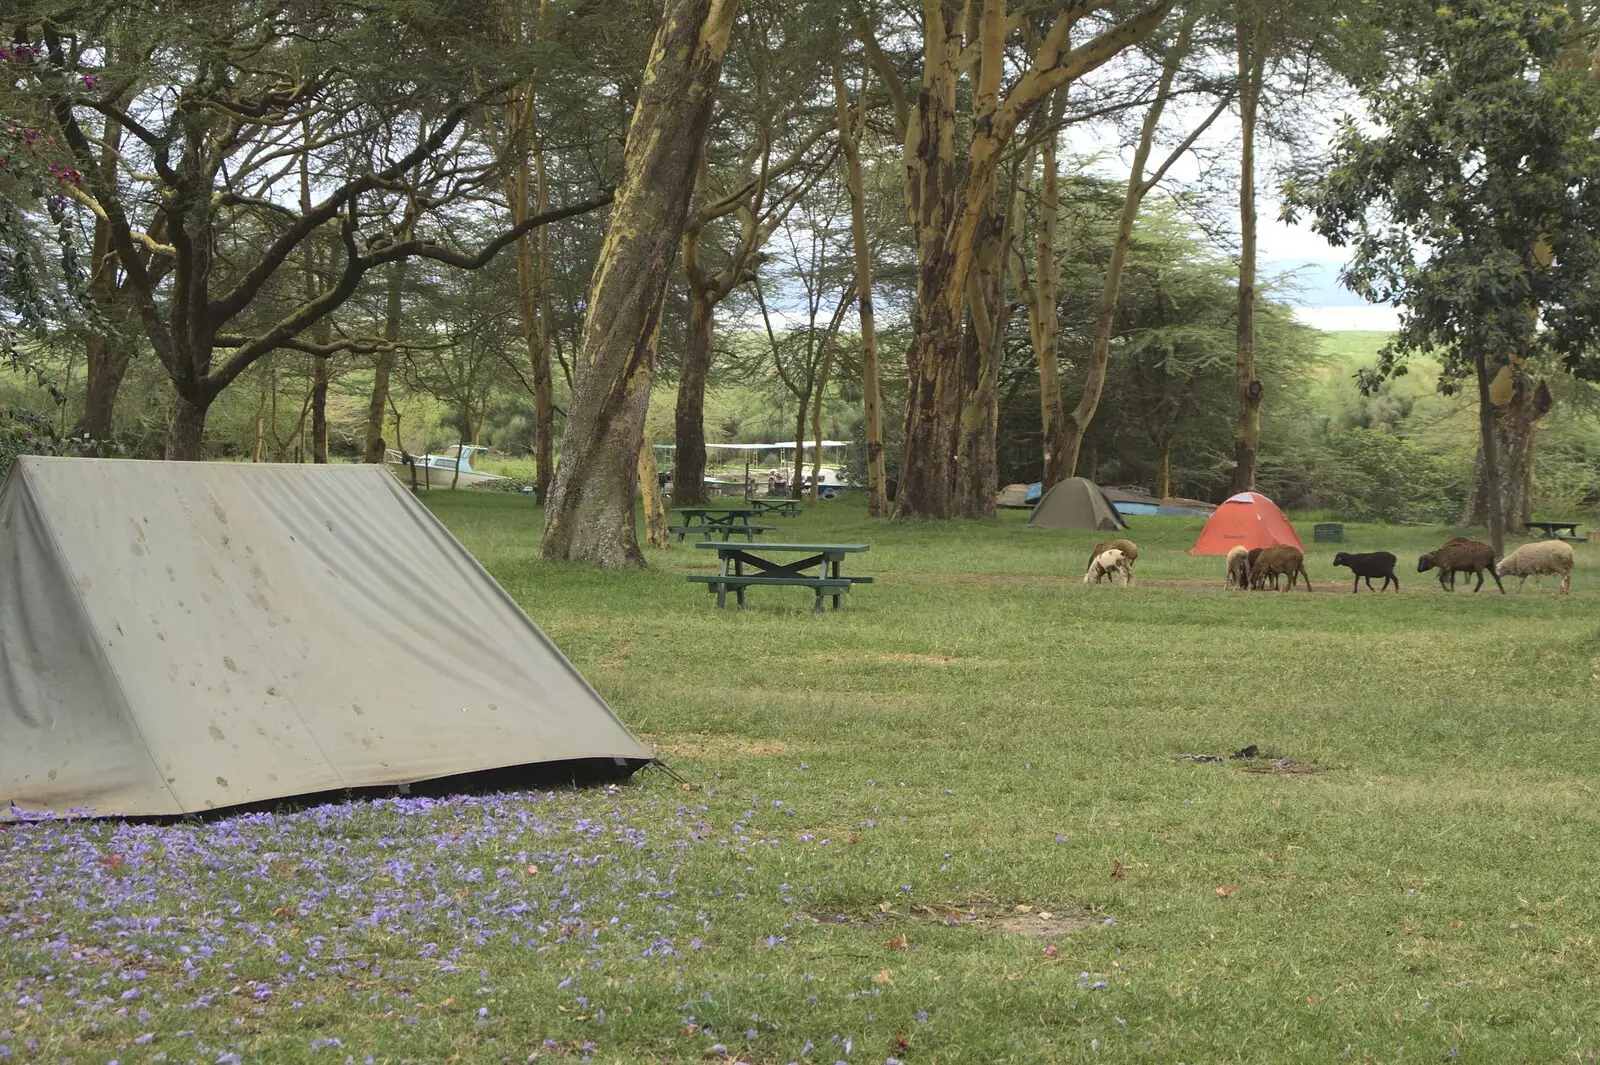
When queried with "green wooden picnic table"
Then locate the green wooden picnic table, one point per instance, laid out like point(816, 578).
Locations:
point(1553, 529)
point(786, 507)
point(826, 559)
point(709, 521)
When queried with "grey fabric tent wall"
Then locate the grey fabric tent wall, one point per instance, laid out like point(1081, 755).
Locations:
point(178, 637)
point(1076, 503)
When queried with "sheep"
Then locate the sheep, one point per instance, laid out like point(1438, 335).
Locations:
point(1238, 567)
point(1461, 555)
point(1542, 557)
point(1129, 549)
point(1250, 565)
point(1369, 565)
point(1279, 559)
point(1105, 566)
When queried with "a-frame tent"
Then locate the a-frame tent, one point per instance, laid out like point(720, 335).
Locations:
point(183, 636)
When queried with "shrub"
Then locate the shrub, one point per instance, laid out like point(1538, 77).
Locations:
point(1367, 475)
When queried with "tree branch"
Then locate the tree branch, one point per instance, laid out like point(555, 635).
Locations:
point(424, 250)
point(1188, 142)
point(356, 266)
point(225, 308)
point(886, 74)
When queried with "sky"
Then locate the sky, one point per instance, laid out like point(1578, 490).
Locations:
point(1280, 247)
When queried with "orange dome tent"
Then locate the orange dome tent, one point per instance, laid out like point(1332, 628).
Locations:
point(1249, 520)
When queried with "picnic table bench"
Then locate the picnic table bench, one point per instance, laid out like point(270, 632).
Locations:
point(1552, 529)
point(708, 521)
point(788, 508)
point(826, 559)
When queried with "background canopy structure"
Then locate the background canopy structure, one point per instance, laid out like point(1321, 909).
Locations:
point(1247, 520)
point(183, 636)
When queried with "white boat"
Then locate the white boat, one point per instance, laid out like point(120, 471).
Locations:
point(453, 466)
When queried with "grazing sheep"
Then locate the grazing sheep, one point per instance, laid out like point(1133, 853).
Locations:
point(1538, 559)
point(1250, 566)
point(1279, 559)
point(1238, 567)
point(1129, 549)
point(1461, 555)
point(1105, 567)
point(1369, 565)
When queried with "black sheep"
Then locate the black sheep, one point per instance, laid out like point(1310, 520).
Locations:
point(1369, 565)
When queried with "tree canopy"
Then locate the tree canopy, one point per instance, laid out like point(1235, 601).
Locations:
point(987, 242)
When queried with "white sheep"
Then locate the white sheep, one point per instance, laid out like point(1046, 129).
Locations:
point(1105, 567)
point(1238, 567)
point(1538, 559)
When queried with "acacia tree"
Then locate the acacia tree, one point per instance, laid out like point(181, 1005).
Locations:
point(812, 262)
point(214, 102)
point(765, 151)
point(1139, 185)
point(564, 120)
point(1251, 52)
point(590, 512)
point(950, 193)
point(1281, 47)
point(851, 124)
point(1473, 202)
point(46, 285)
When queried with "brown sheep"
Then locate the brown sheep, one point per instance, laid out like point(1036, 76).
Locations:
point(1461, 555)
point(1130, 554)
point(1279, 559)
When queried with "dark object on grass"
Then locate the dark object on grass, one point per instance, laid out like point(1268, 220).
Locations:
point(1328, 533)
point(1252, 750)
point(1368, 565)
point(1278, 560)
point(1461, 555)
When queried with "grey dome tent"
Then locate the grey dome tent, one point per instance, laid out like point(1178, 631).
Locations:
point(182, 636)
point(1076, 503)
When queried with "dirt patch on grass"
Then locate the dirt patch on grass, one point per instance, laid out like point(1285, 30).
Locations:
point(916, 659)
point(1020, 919)
point(718, 747)
point(1253, 760)
point(1280, 767)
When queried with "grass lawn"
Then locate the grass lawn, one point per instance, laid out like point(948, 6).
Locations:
point(945, 824)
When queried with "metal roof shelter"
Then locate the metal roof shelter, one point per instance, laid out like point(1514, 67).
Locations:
point(182, 636)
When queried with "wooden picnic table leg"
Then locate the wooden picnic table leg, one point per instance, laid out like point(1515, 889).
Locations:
point(738, 570)
point(836, 596)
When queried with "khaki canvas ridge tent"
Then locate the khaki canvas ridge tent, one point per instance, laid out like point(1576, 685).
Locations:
point(1076, 503)
point(182, 636)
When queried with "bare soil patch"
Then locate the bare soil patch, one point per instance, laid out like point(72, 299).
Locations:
point(1024, 919)
point(1251, 759)
point(717, 746)
point(1280, 767)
